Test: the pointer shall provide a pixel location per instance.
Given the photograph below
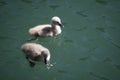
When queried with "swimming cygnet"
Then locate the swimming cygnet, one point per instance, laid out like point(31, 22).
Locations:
point(47, 30)
point(36, 52)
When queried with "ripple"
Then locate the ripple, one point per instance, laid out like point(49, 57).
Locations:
point(84, 58)
point(101, 1)
point(6, 50)
point(81, 13)
point(68, 41)
point(100, 29)
point(81, 29)
point(115, 44)
point(5, 37)
point(108, 37)
point(117, 66)
point(90, 53)
point(43, 1)
point(62, 71)
point(54, 6)
point(107, 59)
point(2, 3)
point(26, 1)
point(98, 76)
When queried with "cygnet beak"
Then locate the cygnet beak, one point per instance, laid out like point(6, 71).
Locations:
point(61, 25)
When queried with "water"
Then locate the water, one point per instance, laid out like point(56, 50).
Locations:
point(87, 49)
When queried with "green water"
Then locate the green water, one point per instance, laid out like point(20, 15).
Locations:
point(87, 49)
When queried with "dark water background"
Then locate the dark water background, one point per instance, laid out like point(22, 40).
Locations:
point(87, 49)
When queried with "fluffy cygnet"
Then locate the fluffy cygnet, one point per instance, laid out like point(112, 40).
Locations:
point(47, 30)
point(36, 52)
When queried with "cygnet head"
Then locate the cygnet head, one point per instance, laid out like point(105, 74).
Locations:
point(56, 21)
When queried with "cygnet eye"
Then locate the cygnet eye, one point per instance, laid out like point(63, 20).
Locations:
point(60, 24)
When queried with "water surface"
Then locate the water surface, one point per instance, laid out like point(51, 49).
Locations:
point(87, 49)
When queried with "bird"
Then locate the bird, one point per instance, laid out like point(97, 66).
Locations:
point(36, 52)
point(47, 30)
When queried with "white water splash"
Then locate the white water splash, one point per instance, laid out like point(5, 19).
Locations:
point(50, 65)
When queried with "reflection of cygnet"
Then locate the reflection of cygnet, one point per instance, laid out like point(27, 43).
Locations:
point(47, 30)
point(36, 52)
